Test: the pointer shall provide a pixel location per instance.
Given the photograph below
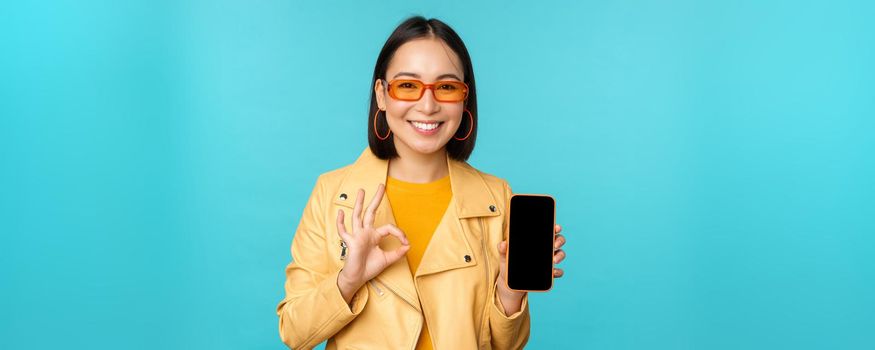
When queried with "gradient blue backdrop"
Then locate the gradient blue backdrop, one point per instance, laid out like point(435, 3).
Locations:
point(712, 161)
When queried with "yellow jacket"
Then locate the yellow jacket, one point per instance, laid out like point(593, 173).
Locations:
point(455, 281)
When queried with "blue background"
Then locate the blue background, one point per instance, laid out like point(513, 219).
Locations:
point(712, 162)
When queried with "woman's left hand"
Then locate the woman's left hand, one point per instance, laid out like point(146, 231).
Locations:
point(511, 299)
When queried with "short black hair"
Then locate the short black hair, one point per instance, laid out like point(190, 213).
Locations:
point(418, 27)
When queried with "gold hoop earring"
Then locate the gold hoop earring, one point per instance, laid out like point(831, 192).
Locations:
point(376, 133)
point(470, 129)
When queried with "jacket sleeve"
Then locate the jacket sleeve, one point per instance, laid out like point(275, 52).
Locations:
point(313, 309)
point(508, 332)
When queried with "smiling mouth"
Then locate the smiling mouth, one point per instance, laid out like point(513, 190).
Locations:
point(425, 127)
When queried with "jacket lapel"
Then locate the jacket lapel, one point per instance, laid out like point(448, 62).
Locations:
point(449, 245)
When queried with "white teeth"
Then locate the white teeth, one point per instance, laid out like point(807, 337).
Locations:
point(425, 126)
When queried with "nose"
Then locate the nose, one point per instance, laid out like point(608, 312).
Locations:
point(427, 104)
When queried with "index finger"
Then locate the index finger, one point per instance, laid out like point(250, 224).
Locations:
point(389, 229)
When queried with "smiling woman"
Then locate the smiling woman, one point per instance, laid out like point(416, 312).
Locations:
point(427, 268)
point(417, 51)
point(424, 125)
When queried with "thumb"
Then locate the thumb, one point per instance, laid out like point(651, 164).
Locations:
point(502, 247)
point(397, 254)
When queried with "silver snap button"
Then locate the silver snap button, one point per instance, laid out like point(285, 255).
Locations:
point(467, 258)
point(343, 196)
point(492, 208)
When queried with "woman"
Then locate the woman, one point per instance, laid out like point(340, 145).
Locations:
point(425, 269)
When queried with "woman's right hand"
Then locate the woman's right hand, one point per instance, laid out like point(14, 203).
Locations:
point(364, 258)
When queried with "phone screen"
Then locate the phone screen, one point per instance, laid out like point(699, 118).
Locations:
point(530, 243)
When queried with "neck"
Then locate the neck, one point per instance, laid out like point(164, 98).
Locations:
point(411, 166)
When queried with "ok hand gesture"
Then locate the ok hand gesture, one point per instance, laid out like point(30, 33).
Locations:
point(365, 259)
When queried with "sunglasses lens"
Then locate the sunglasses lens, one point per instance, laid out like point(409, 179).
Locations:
point(409, 90)
point(450, 91)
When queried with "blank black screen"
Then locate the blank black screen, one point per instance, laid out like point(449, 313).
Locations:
point(530, 238)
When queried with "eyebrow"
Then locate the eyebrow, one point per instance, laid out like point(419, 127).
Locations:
point(417, 76)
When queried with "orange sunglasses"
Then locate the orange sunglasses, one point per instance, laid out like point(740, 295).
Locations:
point(412, 90)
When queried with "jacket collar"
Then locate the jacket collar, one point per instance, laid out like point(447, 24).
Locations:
point(471, 195)
point(450, 246)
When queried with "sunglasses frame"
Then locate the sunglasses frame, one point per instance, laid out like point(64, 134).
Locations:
point(425, 87)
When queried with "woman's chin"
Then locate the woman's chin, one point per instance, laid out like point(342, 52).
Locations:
point(426, 147)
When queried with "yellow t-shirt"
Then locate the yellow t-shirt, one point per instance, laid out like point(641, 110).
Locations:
point(418, 209)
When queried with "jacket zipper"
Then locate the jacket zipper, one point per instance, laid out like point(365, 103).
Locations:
point(484, 243)
point(379, 291)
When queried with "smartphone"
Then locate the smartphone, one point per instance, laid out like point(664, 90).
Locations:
point(530, 242)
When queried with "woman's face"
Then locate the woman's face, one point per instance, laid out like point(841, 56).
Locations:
point(428, 60)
